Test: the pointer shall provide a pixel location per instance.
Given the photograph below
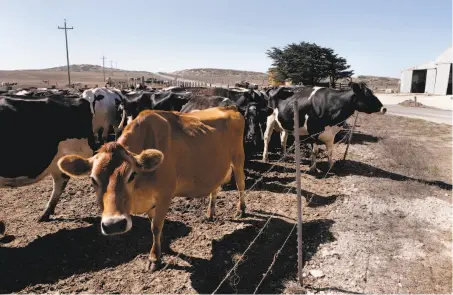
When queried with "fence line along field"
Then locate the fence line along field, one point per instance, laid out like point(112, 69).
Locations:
point(378, 222)
point(92, 75)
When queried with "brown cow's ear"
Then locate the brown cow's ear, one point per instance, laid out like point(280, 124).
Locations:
point(74, 166)
point(149, 160)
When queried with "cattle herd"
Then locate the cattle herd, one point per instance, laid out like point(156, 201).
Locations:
point(143, 147)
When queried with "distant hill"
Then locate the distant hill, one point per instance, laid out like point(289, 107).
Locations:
point(219, 72)
point(376, 82)
point(92, 74)
point(83, 68)
point(228, 76)
point(223, 76)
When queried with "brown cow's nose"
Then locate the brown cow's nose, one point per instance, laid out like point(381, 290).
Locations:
point(114, 225)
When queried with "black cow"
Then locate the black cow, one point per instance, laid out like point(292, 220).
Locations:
point(322, 112)
point(135, 102)
point(169, 100)
point(256, 105)
point(36, 134)
point(138, 101)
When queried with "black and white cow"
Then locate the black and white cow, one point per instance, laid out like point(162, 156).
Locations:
point(136, 101)
point(322, 112)
point(255, 107)
point(105, 105)
point(169, 100)
point(36, 134)
point(202, 102)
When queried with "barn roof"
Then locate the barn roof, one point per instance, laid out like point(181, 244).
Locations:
point(445, 57)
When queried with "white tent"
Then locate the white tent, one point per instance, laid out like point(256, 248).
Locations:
point(433, 77)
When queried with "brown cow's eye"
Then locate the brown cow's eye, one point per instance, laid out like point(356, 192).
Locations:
point(133, 174)
point(93, 181)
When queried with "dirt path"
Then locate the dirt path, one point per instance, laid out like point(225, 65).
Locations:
point(380, 222)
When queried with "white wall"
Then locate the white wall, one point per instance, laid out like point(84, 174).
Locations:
point(430, 80)
point(443, 71)
point(406, 81)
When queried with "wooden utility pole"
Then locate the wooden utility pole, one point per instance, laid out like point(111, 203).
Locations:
point(65, 28)
point(103, 66)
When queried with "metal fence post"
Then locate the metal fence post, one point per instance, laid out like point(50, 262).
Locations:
point(350, 136)
point(299, 196)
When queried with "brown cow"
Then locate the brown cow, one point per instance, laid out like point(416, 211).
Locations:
point(161, 155)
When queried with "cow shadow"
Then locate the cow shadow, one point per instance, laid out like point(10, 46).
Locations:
point(314, 200)
point(261, 167)
point(344, 168)
point(206, 275)
point(277, 182)
point(357, 137)
point(361, 138)
point(56, 256)
point(256, 177)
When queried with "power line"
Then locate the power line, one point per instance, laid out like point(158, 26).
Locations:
point(65, 28)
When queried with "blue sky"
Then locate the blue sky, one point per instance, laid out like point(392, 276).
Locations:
point(378, 37)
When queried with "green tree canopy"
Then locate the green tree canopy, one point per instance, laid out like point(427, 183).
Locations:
point(308, 63)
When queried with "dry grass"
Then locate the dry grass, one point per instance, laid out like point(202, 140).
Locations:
point(92, 75)
point(222, 76)
point(407, 154)
point(59, 76)
point(293, 287)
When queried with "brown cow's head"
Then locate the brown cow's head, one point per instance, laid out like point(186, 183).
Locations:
point(113, 171)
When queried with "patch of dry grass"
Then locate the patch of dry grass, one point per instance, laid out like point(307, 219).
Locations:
point(293, 287)
point(409, 156)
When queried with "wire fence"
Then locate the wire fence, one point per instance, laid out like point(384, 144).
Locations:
point(233, 269)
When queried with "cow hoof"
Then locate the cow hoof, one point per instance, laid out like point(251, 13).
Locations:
point(2, 227)
point(152, 266)
point(239, 214)
point(312, 171)
point(44, 217)
point(208, 219)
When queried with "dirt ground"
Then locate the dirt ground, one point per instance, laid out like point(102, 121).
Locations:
point(35, 78)
point(413, 103)
point(379, 222)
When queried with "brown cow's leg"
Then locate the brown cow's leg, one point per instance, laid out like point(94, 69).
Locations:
point(2, 227)
point(238, 170)
point(156, 228)
point(60, 181)
point(211, 206)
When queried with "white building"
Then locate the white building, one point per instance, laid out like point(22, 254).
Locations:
point(433, 77)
